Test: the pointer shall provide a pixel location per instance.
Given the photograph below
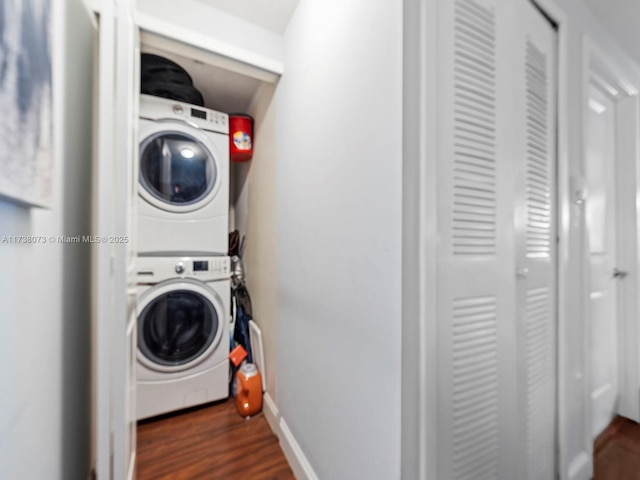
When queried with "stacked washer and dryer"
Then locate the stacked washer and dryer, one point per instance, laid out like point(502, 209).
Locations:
point(182, 267)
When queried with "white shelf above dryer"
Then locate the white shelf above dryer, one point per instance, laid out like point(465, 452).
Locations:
point(226, 84)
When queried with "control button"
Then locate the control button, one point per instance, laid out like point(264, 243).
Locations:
point(178, 109)
point(180, 267)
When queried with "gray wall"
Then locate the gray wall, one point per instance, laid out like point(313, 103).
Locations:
point(339, 185)
point(44, 290)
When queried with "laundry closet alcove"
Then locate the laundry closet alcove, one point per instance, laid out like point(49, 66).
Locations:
point(234, 87)
point(232, 79)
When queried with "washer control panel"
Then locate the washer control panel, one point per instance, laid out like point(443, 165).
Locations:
point(156, 269)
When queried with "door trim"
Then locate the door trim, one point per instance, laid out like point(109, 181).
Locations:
point(419, 241)
point(113, 272)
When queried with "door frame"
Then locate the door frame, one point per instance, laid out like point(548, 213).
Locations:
point(598, 69)
point(113, 262)
point(419, 398)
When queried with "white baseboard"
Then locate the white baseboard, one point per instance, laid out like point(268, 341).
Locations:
point(132, 467)
point(271, 413)
point(580, 468)
point(294, 454)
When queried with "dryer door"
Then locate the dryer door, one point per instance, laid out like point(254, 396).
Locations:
point(180, 324)
point(179, 166)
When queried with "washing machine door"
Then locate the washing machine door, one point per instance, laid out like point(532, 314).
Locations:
point(180, 324)
point(179, 166)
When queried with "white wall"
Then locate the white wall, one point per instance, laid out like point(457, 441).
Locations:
point(339, 167)
point(621, 17)
point(44, 295)
point(273, 16)
point(260, 255)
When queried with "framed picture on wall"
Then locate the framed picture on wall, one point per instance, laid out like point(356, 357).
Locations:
point(26, 149)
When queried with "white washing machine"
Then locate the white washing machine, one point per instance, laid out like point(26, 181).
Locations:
point(183, 201)
point(183, 332)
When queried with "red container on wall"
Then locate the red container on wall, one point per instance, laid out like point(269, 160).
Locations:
point(240, 137)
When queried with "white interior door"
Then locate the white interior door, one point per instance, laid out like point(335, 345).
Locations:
point(115, 181)
point(475, 254)
point(496, 257)
point(627, 154)
point(600, 164)
point(535, 219)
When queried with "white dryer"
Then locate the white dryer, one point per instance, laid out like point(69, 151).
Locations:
point(183, 201)
point(183, 332)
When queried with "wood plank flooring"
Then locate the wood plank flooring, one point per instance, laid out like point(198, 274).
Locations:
point(211, 442)
point(214, 442)
point(616, 451)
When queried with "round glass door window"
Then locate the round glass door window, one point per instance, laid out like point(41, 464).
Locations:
point(177, 328)
point(176, 168)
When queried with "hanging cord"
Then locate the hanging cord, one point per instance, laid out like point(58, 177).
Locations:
point(237, 265)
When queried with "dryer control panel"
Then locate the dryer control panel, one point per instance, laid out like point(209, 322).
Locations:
point(157, 108)
point(156, 269)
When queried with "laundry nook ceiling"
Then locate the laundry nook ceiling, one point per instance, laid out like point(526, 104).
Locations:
point(268, 14)
point(621, 18)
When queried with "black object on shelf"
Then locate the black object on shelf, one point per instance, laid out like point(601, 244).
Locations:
point(173, 91)
point(162, 77)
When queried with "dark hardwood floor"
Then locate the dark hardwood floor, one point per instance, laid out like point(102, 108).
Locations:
point(211, 442)
point(214, 442)
point(616, 451)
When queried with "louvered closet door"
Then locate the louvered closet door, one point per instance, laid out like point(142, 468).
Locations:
point(476, 251)
point(496, 252)
point(535, 214)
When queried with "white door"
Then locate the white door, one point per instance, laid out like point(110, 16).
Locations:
point(475, 252)
point(115, 182)
point(535, 214)
point(600, 156)
point(496, 256)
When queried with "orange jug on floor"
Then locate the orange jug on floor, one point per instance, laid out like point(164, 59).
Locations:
point(248, 390)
